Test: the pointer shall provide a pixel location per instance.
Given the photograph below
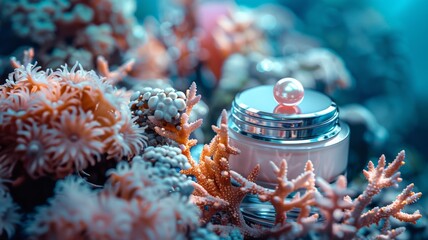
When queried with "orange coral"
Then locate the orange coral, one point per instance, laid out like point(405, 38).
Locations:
point(235, 32)
point(181, 133)
point(56, 122)
point(285, 187)
point(213, 174)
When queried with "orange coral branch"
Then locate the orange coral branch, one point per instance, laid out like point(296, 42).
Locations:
point(28, 58)
point(117, 75)
point(378, 177)
point(181, 133)
point(214, 176)
point(278, 197)
point(394, 209)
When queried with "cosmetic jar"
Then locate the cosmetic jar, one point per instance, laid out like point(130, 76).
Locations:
point(265, 130)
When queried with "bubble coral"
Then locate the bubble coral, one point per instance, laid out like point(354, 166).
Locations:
point(56, 122)
point(168, 161)
point(165, 105)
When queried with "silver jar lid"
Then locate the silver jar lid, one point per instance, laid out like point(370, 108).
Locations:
point(255, 114)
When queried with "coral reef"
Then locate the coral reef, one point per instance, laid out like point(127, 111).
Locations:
point(123, 161)
point(345, 216)
point(63, 31)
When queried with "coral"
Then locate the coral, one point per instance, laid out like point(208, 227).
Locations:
point(135, 203)
point(64, 31)
point(345, 216)
point(154, 196)
point(168, 161)
point(213, 174)
point(116, 76)
point(235, 31)
point(213, 190)
point(180, 36)
point(164, 105)
point(152, 59)
point(204, 233)
point(180, 132)
point(282, 201)
point(56, 122)
point(9, 216)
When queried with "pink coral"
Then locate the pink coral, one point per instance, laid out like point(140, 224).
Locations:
point(134, 204)
point(345, 216)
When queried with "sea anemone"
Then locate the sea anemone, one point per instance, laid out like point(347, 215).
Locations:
point(80, 140)
point(126, 138)
point(55, 99)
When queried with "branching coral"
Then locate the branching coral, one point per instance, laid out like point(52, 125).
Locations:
point(346, 216)
point(282, 202)
point(213, 187)
point(181, 131)
point(56, 122)
point(383, 177)
point(213, 174)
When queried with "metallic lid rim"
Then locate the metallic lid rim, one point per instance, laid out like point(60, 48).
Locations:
point(295, 124)
point(323, 137)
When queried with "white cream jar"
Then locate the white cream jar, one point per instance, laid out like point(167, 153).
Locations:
point(308, 131)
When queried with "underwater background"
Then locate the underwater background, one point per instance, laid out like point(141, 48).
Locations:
point(370, 56)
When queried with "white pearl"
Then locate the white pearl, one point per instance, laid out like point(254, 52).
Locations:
point(288, 91)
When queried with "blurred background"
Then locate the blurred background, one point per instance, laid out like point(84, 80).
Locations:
point(370, 56)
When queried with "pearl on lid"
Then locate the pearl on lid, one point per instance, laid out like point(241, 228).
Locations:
point(288, 92)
